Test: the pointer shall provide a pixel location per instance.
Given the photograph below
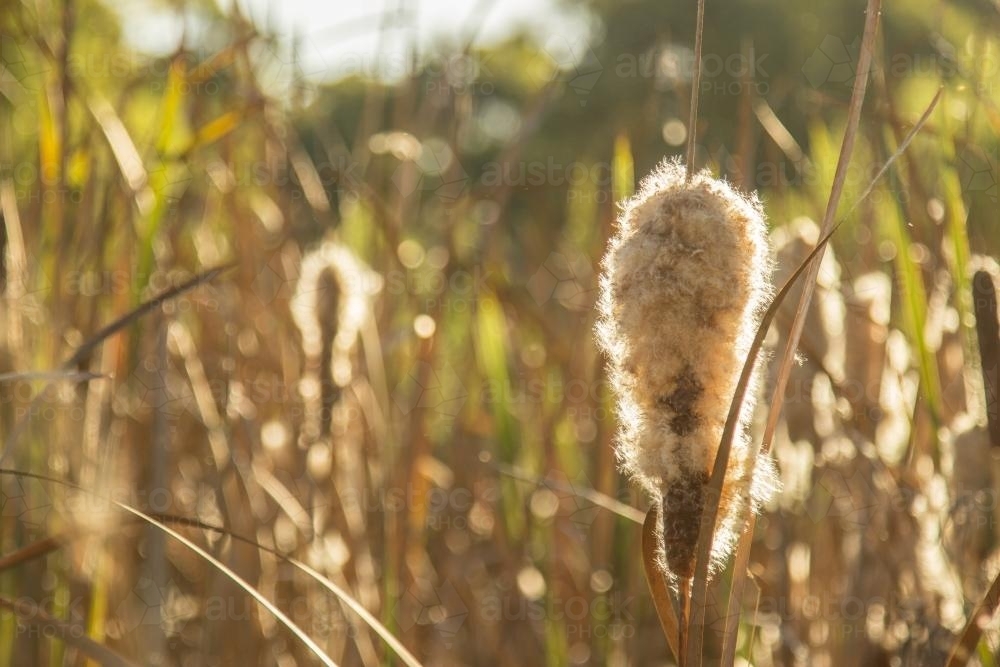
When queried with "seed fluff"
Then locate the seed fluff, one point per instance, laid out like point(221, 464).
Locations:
point(684, 281)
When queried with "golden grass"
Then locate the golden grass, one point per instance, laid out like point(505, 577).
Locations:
point(197, 470)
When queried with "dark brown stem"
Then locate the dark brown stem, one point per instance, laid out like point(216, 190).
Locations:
point(984, 303)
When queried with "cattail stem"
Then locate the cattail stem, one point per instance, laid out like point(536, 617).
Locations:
point(685, 613)
point(988, 333)
point(695, 90)
point(873, 12)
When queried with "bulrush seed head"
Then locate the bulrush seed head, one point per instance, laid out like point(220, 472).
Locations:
point(684, 281)
point(333, 297)
point(332, 301)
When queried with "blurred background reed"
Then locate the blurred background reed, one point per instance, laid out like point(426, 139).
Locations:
point(454, 471)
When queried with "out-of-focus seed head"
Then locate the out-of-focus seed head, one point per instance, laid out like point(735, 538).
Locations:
point(333, 298)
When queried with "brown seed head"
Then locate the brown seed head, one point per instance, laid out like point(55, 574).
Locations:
point(684, 280)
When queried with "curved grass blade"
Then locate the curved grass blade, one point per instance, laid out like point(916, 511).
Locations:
point(965, 647)
point(82, 354)
point(743, 548)
point(49, 544)
point(657, 584)
point(712, 508)
point(209, 558)
point(699, 595)
point(283, 618)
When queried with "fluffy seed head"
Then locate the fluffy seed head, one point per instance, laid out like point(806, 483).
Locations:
point(684, 280)
point(333, 296)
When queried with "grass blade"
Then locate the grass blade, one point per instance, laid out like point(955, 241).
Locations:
point(83, 352)
point(743, 548)
point(207, 557)
point(47, 545)
point(599, 499)
point(657, 584)
point(965, 646)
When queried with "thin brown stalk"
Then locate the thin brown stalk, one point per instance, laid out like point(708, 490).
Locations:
point(36, 549)
point(695, 89)
point(846, 148)
point(743, 548)
point(700, 591)
point(740, 563)
point(83, 352)
point(81, 357)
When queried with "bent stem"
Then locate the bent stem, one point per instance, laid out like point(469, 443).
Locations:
point(700, 592)
point(657, 583)
point(743, 548)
